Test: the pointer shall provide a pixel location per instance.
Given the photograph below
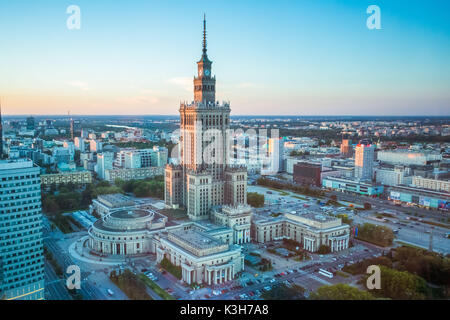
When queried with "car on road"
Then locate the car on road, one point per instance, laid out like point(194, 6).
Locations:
point(110, 292)
point(267, 288)
point(273, 280)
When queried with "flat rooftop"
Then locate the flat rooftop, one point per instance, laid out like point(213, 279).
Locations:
point(130, 214)
point(195, 239)
point(15, 164)
point(116, 200)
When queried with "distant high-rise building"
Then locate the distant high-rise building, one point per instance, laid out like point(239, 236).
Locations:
point(132, 160)
point(364, 158)
point(346, 148)
point(276, 154)
point(84, 133)
point(21, 243)
point(75, 128)
point(105, 162)
point(30, 123)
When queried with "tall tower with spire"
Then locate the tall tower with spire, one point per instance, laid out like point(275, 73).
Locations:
point(204, 83)
point(203, 178)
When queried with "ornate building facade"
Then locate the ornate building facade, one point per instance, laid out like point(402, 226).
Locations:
point(204, 178)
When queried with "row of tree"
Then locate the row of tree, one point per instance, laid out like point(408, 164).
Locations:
point(255, 199)
point(131, 285)
point(406, 273)
point(143, 188)
point(286, 185)
point(379, 235)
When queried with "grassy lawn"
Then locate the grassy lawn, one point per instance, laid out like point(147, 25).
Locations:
point(301, 198)
point(158, 290)
point(407, 244)
point(175, 214)
point(342, 274)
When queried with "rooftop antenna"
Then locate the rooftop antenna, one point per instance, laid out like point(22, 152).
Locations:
point(204, 33)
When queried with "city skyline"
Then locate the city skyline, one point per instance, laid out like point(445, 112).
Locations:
point(294, 59)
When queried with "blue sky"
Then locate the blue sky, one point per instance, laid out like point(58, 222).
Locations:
point(313, 57)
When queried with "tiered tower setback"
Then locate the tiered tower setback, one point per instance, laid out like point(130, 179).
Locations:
point(197, 183)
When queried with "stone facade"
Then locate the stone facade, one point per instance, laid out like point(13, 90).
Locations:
point(310, 229)
point(204, 177)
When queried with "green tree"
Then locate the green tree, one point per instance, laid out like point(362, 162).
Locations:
point(324, 249)
point(380, 235)
point(283, 292)
point(401, 285)
point(255, 199)
point(340, 291)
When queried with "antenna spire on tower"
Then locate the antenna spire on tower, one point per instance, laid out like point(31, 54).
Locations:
point(204, 33)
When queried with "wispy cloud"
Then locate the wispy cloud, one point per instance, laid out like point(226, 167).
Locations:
point(78, 84)
point(246, 85)
point(183, 82)
point(144, 97)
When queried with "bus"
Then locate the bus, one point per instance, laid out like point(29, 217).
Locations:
point(325, 273)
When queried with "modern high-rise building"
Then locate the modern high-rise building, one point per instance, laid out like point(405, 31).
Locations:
point(204, 177)
point(105, 162)
point(30, 123)
point(75, 128)
point(21, 243)
point(347, 148)
point(276, 154)
point(364, 158)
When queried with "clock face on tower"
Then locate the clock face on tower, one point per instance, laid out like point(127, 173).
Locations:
point(207, 72)
point(200, 72)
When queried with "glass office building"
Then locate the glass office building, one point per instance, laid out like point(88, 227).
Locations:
point(21, 243)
